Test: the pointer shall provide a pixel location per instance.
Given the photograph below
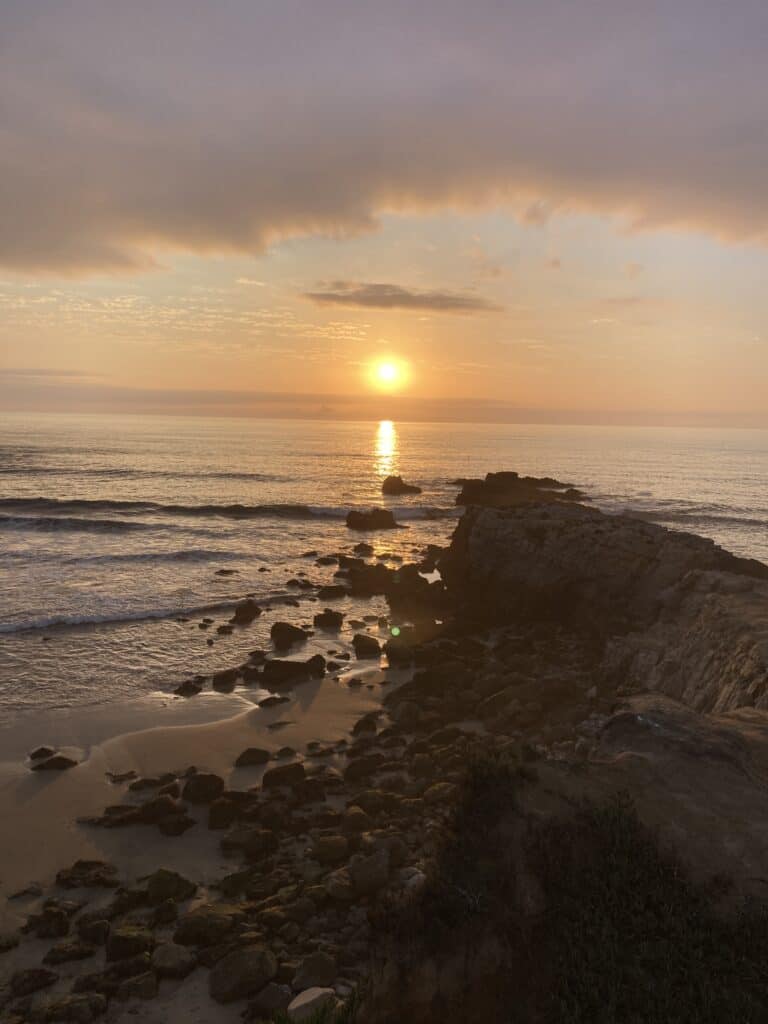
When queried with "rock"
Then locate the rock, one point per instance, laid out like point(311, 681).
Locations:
point(329, 619)
point(440, 792)
point(356, 820)
point(8, 941)
point(252, 756)
point(366, 646)
point(375, 519)
point(224, 681)
point(142, 986)
point(242, 973)
point(189, 688)
point(204, 926)
point(32, 979)
point(57, 763)
point(255, 843)
point(506, 489)
point(278, 672)
point(308, 1003)
point(82, 1009)
point(40, 752)
point(330, 849)
point(284, 775)
point(64, 952)
point(93, 929)
point(272, 702)
point(165, 885)
point(88, 874)
point(332, 591)
point(127, 941)
point(51, 923)
point(272, 999)
point(203, 787)
point(395, 485)
point(363, 549)
point(285, 635)
point(339, 887)
point(175, 825)
point(169, 960)
point(369, 874)
point(318, 970)
point(246, 612)
point(363, 767)
point(158, 808)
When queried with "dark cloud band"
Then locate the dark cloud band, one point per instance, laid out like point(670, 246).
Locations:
point(394, 296)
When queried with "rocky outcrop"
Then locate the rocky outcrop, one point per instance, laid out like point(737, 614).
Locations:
point(674, 612)
point(708, 647)
point(575, 563)
point(506, 489)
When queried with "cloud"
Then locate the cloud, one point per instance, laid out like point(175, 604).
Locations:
point(224, 128)
point(394, 296)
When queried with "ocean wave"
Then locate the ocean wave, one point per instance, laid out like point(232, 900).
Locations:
point(138, 474)
point(183, 555)
point(119, 616)
point(57, 506)
point(695, 518)
point(55, 523)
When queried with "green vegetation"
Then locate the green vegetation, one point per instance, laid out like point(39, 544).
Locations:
point(621, 932)
point(626, 935)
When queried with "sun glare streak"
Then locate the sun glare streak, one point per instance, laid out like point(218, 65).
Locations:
point(385, 448)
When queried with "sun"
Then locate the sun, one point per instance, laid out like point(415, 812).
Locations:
point(389, 374)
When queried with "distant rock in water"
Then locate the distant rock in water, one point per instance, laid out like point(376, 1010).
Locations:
point(375, 519)
point(394, 485)
point(246, 612)
point(500, 490)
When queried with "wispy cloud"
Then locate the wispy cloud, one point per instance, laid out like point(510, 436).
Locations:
point(395, 296)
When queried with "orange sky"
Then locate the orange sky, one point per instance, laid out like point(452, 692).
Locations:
point(546, 211)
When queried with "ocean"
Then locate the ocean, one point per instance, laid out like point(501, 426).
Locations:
point(114, 531)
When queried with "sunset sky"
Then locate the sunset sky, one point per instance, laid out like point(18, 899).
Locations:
point(542, 209)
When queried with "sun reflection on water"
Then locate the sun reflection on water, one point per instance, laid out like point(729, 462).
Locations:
point(385, 448)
